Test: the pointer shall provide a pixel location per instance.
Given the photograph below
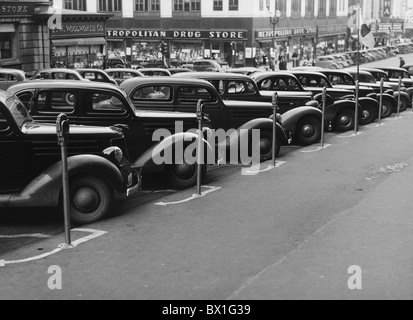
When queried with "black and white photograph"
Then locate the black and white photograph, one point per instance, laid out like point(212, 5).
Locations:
point(209, 156)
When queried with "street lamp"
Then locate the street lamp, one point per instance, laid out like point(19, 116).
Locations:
point(274, 21)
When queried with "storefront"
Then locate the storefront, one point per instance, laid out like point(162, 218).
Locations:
point(388, 33)
point(184, 46)
point(331, 39)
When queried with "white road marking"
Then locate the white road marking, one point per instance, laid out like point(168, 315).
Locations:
point(17, 236)
point(268, 168)
point(194, 197)
point(318, 149)
point(350, 136)
point(94, 234)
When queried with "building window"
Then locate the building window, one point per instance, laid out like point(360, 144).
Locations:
point(296, 8)
point(333, 8)
point(309, 8)
point(110, 6)
point(322, 8)
point(147, 5)
point(75, 5)
point(233, 5)
point(6, 41)
point(218, 5)
point(187, 5)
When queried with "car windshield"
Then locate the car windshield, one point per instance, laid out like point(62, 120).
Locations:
point(18, 111)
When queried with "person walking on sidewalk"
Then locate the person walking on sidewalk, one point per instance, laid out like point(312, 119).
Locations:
point(402, 62)
point(283, 64)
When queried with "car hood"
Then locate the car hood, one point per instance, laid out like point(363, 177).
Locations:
point(352, 88)
point(288, 94)
point(164, 114)
point(247, 104)
point(37, 128)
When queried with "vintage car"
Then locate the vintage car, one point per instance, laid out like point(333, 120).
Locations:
point(367, 79)
point(57, 74)
point(207, 65)
point(237, 87)
point(248, 71)
point(9, 77)
point(340, 114)
point(155, 72)
point(31, 171)
point(181, 94)
point(178, 70)
point(395, 73)
point(343, 79)
point(316, 81)
point(96, 75)
point(121, 74)
point(102, 104)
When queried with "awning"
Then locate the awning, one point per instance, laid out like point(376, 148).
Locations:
point(79, 42)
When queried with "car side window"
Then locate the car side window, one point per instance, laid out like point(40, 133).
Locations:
point(3, 77)
point(90, 76)
point(194, 94)
point(4, 125)
point(56, 102)
point(27, 99)
point(103, 103)
point(148, 93)
point(240, 87)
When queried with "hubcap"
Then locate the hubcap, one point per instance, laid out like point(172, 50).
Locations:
point(308, 130)
point(265, 146)
point(345, 120)
point(366, 114)
point(86, 199)
point(184, 170)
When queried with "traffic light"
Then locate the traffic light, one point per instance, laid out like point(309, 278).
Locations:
point(53, 56)
point(165, 49)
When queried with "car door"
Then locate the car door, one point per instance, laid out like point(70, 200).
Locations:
point(15, 156)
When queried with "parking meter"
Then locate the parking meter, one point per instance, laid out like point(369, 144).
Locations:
point(399, 102)
point(356, 114)
point(324, 99)
point(275, 104)
point(63, 130)
point(381, 99)
point(199, 115)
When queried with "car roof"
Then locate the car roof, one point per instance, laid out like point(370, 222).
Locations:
point(393, 69)
point(4, 96)
point(58, 84)
point(91, 70)
point(123, 70)
point(353, 71)
point(61, 70)
point(371, 69)
point(262, 75)
point(307, 73)
point(130, 84)
point(14, 72)
point(212, 76)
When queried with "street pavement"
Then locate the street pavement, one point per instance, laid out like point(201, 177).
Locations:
point(292, 232)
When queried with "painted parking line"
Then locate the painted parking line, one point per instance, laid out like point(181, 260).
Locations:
point(18, 236)
point(350, 136)
point(267, 167)
point(193, 197)
point(93, 235)
point(317, 149)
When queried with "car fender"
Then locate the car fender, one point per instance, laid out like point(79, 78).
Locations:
point(292, 117)
point(332, 110)
point(45, 190)
point(365, 101)
point(262, 124)
point(147, 160)
point(402, 95)
point(319, 99)
point(312, 103)
point(410, 93)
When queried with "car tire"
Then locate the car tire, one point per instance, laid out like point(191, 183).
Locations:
point(266, 145)
point(403, 104)
point(184, 176)
point(91, 199)
point(370, 114)
point(308, 131)
point(387, 108)
point(344, 120)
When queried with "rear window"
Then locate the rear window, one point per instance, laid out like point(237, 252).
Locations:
point(56, 101)
point(150, 93)
point(193, 94)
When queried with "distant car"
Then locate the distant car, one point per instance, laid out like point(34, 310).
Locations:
point(57, 74)
point(248, 71)
point(155, 72)
point(9, 77)
point(120, 75)
point(30, 165)
point(179, 70)
point(207, 65)
point(327, 62)
point(116, 62)
point(102, 104)
point(96, 75)
point(395, 73)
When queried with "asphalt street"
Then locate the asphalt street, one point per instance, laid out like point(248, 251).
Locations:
point(291, 232)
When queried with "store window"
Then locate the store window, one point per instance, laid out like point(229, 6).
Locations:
point(233, 5)
point(6, 41)
point(147, 5)
point(75, 5)
point(186, 52)
point(110, 6)
point(187, 5)
point(218, 5)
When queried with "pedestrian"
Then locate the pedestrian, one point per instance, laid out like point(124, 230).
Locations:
point(282, 64)
point(402, 62)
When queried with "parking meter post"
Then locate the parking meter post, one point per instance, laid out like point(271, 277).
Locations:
point(399, 100)
point(381, 99)
point(323, 116)
point(199, 113)
point(274, 128)
point(356, 114)
point(62, 129)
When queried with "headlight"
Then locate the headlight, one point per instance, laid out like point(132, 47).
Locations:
point(116, 152)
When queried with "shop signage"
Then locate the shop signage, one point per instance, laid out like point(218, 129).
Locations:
point(87, 28)
point(390, 28)
point(177, 34)
point(16, 8)
point(286, 32)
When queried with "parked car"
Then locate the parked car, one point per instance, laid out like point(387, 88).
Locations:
point(248, 71)
point(182, 95)
point(155, 72)
point(179, 70)
point(327, 62)
point(306, 127)
point(96, 75)
point(395, 73)
point(117, 62)
point(102, 104)
point(9, 77)
point(57, 74)
point(316, 81)
point(120, 75)
point(340, 115)
point(367, 79)
point(207, 65)
point(30, 165)
point(343, 79)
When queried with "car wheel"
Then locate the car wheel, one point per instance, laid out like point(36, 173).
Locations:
point(184, 176)
point(91, 199)
point(345, 120)
point(387, 108)
point(308, 131)
point(403, 104)
point(266, 145)
point(370, 114)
